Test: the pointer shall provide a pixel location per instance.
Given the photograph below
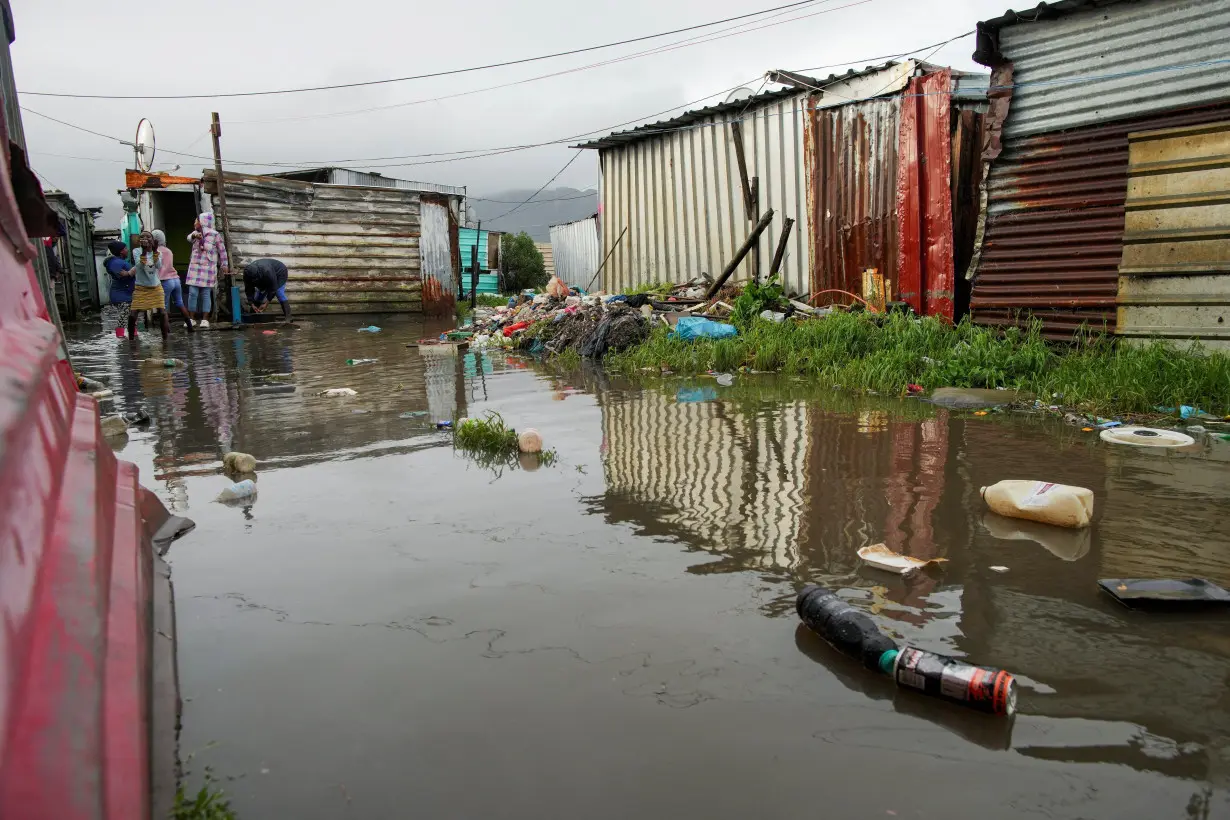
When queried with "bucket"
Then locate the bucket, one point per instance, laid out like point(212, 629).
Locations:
point(119, 333)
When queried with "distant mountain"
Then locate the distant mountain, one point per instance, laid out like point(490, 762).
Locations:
point(551, 207)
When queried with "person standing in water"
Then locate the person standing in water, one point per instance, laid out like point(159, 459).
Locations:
point(122, 282)
point(265, 279)
point(208, 260)
point(167, 275)
point(148, 294)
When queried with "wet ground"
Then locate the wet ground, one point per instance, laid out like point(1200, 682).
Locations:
point(392, 631)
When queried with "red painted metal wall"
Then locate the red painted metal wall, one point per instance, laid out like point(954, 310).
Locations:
point(925, 276)
point(74, 576)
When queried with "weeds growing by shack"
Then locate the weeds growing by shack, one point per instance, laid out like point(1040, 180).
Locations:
point(887, 353)
point(209, 803)
point(493, 444)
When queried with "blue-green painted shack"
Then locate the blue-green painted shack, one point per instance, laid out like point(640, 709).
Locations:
point(488, 272)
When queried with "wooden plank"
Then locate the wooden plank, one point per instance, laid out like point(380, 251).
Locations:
point(313, 255)
point(327, 309)
point(343, 264)
point(344, 297)
point(355, 276)
point(404, 285)
point(252, 209)
point(307, 239)
point(346, 193)
point(372, 226)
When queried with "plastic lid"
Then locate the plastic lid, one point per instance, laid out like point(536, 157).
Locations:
point(888, 660)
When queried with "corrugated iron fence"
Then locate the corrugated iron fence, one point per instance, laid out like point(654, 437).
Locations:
point(575, 248)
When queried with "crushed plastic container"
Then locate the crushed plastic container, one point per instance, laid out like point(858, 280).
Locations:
point(238, 490)
point(1058, 504)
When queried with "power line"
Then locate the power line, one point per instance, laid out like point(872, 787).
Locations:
point(590, 195)
point(450, 72)
point(687, 43)
point(540, 190)
point(869, 60)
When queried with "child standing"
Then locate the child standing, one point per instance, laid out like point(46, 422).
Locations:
point(169, 278)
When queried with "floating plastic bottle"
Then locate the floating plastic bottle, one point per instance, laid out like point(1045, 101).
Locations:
point(1057, 504)
point(238, 490)
point(978, 687)
point(846, 629)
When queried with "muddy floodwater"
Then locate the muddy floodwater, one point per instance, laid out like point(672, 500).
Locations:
point(390, 630)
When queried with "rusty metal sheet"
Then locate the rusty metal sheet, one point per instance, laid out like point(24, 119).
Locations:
point(1054, 221)
point(851, 153)
point(141, 179)
point(439, 286)
point(931, 95)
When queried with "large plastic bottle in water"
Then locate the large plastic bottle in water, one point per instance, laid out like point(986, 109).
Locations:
point(1058, 504)
point(846, 629)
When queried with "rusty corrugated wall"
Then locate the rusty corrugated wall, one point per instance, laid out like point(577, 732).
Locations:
point(852, 178)
point(1054, 220)
point(348, 249)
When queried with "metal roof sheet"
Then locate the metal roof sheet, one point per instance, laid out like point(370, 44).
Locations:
point(687, 118)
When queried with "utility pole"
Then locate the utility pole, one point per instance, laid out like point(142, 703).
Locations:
point(215, 130)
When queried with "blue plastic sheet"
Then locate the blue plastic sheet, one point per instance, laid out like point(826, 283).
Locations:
point(697, 327)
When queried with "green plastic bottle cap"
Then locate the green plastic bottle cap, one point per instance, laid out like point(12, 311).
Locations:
point(888, 660)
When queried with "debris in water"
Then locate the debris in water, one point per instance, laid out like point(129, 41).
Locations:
point(360, 361)
point(881, 557)
point(413, 414)
point(695, 395)
point(725, 379)
point(530, 441)
point(234, 462)
point(1164, 591)
point(999, 569)
point(240, 490)
point(1147, 437)
point(1058, 504)
point(338, 392)
point(369, 329)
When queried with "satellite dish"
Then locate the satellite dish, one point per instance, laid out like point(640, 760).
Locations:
point(143, 145)
point(740, 94)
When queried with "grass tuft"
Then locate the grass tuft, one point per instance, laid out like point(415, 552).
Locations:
point(493, 444)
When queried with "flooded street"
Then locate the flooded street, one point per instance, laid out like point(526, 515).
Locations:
point(390, 630)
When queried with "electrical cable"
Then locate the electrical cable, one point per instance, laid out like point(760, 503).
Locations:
point(450, 72)
point(689, 42)
point(540, 190)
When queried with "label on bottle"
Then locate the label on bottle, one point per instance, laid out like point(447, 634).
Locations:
point(906, 666)
point(955, 681)
point(1037, 497)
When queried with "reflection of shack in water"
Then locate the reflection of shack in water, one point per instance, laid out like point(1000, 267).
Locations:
point(711, 474)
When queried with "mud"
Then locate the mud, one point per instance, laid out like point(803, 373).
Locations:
point(390, 630)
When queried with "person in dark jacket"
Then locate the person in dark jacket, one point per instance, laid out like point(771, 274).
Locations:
point(265, 279)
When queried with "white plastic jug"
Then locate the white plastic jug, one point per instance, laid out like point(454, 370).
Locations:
point(243, 489)
point(1057, 504)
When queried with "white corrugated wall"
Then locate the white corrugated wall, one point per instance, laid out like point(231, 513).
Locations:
point(680, 196)
point(1117, 62)
point(576, 251)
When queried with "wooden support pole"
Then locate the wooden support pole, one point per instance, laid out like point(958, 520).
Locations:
point(749, 196)
point(781, 247)
point(215, 130)
point(747, 245)
point(605, 258)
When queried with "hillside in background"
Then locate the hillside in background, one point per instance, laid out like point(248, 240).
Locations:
point(551, 207)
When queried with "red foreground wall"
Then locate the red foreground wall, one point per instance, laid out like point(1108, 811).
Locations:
point(75, 576)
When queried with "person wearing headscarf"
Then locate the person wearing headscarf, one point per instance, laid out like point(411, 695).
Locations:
point(148, 294)
point(122, 282)
point(172, 288)
point(208, 260)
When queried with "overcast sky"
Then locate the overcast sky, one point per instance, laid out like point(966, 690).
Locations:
point(83, 46)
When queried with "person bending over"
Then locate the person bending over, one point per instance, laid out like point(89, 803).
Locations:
point(264, 280)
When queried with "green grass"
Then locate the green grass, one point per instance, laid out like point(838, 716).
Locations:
point(493, 444)
point(885, 354)
point(661, 289)
point(208, 804)
point(484, 300)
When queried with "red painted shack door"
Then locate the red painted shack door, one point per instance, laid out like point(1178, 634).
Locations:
point(925, 276)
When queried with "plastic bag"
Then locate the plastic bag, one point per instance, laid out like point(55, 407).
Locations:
point(698, 327)
point(557, 288)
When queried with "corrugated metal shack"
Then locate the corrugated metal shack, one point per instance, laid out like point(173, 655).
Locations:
point(1105, 201)
point(577, 250)
point(349, 248)
point(77, 282)
point(488, 256)
point(548, 257)
point(862, 162)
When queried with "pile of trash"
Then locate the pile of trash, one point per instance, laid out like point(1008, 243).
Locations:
point(560, 320)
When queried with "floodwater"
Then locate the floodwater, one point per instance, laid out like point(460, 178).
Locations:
point(392, 631)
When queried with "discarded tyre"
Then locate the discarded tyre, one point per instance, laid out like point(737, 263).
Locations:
point(846, 629)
